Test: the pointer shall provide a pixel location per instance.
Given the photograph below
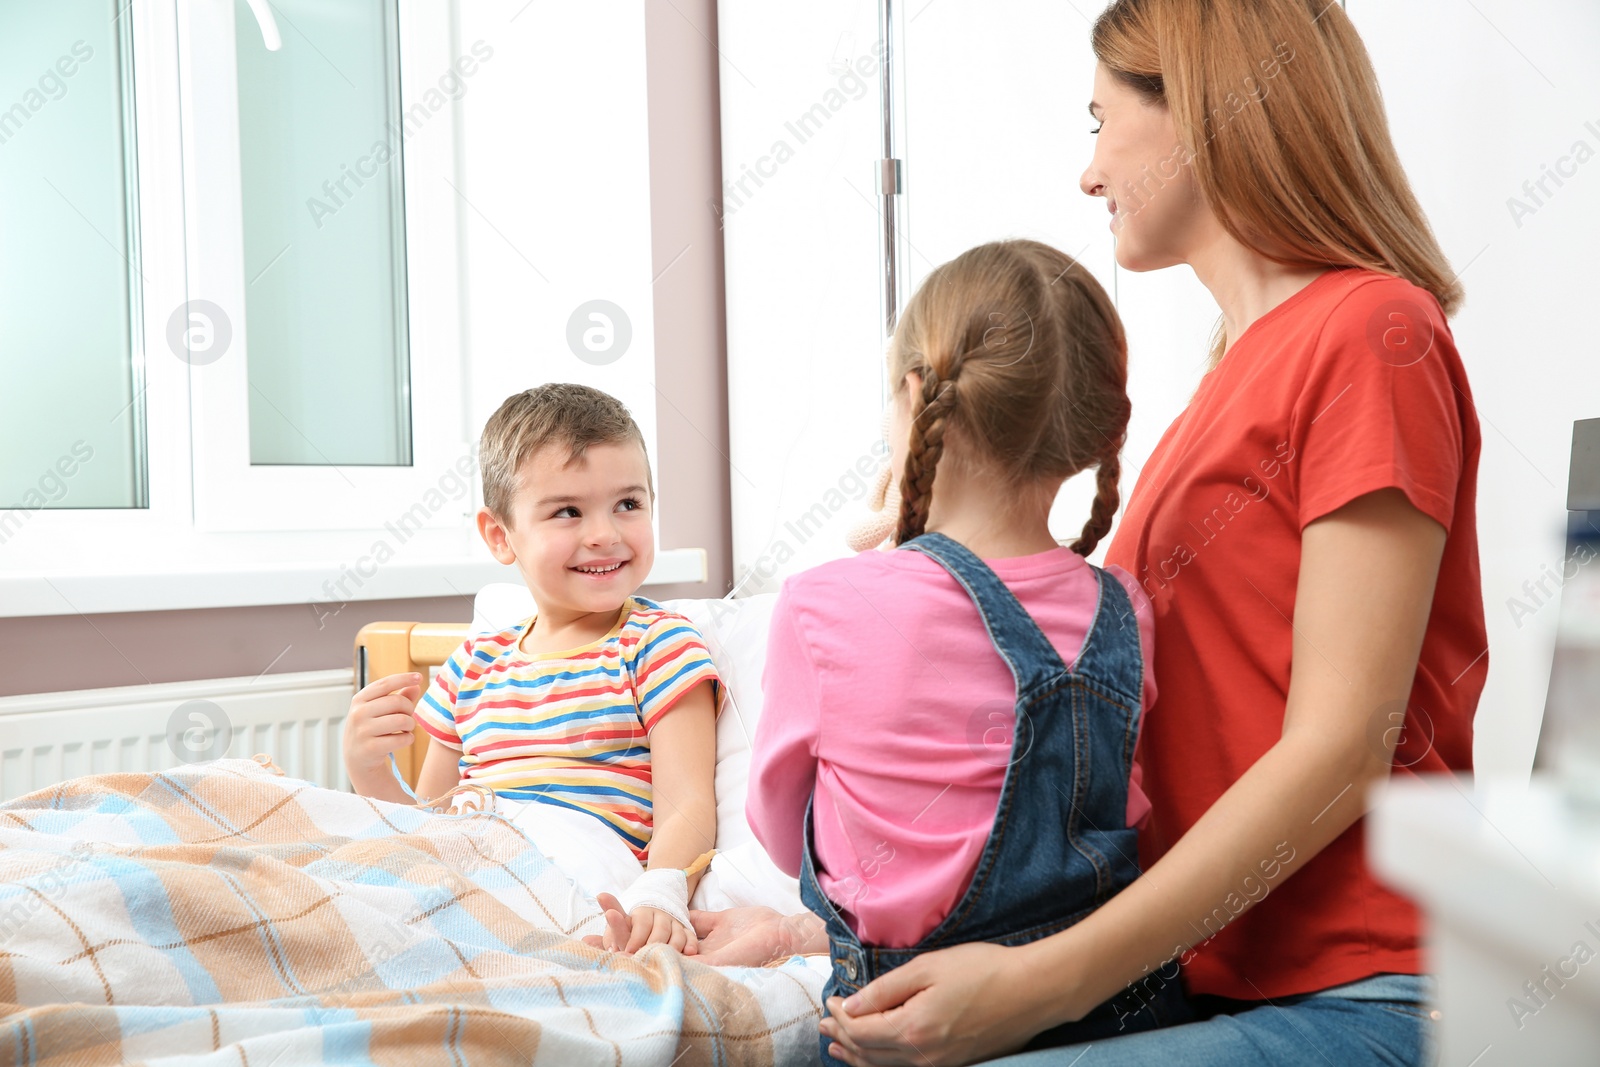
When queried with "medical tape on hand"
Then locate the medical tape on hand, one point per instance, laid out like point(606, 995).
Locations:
point(664, 888)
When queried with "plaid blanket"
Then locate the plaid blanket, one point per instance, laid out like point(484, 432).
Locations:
point(225, 914)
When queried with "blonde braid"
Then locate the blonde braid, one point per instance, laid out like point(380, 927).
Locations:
point(1106, 500)
point(926, 445)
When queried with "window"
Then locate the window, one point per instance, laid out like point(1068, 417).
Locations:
point(206, 256)
point(72, 429)
point(320, 159)
point(240, 364)
point(318, 264)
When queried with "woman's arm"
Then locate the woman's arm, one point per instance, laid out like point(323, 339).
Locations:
point(1365, 590)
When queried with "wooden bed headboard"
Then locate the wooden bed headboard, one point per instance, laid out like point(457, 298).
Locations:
point(384, 648)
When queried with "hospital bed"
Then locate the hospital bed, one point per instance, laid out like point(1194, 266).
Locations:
point(224, 911)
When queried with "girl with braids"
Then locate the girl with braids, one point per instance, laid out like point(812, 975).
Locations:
point(947, 750)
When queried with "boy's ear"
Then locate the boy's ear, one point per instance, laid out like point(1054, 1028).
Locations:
point(494, 535)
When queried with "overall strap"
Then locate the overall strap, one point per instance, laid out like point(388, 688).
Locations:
point(1026, 650)
point(1111, 654)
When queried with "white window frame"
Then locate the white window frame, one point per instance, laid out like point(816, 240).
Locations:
point(218, 532)
point(230, 493)
point(159, 383)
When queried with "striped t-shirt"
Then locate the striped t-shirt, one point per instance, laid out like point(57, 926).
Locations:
point(569, 728)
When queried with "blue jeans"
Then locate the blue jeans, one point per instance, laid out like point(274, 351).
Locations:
point(1383, 1019)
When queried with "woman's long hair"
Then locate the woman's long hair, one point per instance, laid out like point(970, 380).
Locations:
point(1277, 104)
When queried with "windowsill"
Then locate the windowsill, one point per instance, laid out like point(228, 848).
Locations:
point(216, 570)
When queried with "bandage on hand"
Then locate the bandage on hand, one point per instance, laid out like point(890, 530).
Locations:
point(664, 888)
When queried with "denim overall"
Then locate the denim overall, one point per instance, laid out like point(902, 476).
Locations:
point(1060, 846)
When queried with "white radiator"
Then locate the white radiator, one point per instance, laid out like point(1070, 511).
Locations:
point(297, 719)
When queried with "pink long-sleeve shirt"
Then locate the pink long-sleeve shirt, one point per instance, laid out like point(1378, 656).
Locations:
point(884, 692)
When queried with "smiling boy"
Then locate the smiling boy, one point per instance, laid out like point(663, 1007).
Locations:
point(602, 702)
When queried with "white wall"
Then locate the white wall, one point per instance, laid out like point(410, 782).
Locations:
point(554, 198)
point(805, 355)
point(1479, 102)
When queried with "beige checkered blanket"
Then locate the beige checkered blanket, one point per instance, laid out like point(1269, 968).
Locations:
point(224, 914)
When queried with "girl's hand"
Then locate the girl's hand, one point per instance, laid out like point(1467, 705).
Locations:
point(380, 721)
point(958, 1005)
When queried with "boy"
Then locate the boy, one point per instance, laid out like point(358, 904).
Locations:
point(603, 702)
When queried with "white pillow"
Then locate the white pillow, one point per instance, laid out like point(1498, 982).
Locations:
point(735, 632)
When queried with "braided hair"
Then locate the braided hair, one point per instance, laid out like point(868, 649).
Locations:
point(1023, 364)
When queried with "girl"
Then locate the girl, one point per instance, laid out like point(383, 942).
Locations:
point(946, 754)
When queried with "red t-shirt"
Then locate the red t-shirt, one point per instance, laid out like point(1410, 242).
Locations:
point(1351, 385)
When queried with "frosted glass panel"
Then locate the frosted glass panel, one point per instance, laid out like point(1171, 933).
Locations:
point(71, 412)
point(320, 139)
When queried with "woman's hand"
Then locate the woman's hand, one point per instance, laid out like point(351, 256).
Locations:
point(755, 937)
point(958, 1005)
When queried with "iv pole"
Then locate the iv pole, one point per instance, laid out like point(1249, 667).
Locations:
point(891, 170)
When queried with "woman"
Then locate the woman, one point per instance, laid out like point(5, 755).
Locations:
point(1305, 530)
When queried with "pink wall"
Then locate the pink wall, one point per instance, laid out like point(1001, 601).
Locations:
point(80, 652)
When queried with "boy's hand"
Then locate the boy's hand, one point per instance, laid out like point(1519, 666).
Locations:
point(380, 720)
point(646, 926)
